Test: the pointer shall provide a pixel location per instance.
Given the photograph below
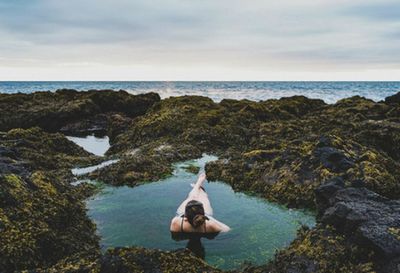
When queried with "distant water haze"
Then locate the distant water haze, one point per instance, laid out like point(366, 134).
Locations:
point(330, 92)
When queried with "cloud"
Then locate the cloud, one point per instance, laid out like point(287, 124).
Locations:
point(232, 35)
point(377, 11)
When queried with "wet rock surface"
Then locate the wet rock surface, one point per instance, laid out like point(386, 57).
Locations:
point(340, 159)
point(373, 221)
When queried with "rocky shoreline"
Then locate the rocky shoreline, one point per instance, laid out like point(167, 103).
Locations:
point(342, 160)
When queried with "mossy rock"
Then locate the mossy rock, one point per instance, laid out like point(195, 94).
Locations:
point(323, 250)
point(192, 168)
point(43, 220)
point(53, 110)
point(46, 151)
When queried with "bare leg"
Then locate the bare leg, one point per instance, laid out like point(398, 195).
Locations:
point(197, 194)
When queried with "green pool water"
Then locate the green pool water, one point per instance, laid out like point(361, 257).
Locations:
point(141, 216)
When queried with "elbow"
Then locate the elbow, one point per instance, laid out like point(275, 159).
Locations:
point(172, 226)
point(226, 229)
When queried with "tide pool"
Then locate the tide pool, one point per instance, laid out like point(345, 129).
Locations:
point(141, 216)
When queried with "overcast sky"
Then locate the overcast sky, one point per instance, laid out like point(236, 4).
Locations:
point(199, 40)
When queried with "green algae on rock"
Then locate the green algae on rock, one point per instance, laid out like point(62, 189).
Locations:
point(149, 163)
point(291, 175)
point(237, 127)
point(347, 239)
point(53, 110)
point(192, 168)
point(134, 259)
point(45, 151)
point(321, 249)
point(42, 220)
point(284, 149)
point(208, 125)
point(42, 217)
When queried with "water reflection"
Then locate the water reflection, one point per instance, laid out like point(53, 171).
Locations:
point(194, 243)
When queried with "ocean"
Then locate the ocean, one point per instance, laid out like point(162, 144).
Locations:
point(330, 92)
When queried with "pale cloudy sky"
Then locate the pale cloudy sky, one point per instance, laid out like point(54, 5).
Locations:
point(199, 40)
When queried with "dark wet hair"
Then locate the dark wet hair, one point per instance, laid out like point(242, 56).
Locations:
point(194, 212)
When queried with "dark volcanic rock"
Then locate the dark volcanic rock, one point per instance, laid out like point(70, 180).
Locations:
point(44, 151)
point(324, 192)
point(11, 164)
point(97, 125)
point(54, 110)
point(383, 134)
point(393, 99)
point(372, 219)
point(357, 231)
point(333, 159)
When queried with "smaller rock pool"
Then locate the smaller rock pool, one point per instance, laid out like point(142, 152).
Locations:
point(93, 144)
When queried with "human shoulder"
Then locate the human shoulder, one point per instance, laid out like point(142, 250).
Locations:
point(212, 227)
point(175, 224)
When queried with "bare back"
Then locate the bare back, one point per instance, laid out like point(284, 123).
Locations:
point(181, 224)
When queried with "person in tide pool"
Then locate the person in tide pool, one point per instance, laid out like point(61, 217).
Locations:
point(194, 215)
